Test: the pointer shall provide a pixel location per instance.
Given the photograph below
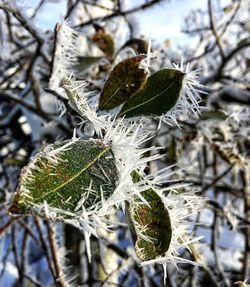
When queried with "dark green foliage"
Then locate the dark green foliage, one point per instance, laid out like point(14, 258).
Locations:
point(82, 169)
point(158, 95)
point(155, 218)
point(216, 115)
point(155, 222)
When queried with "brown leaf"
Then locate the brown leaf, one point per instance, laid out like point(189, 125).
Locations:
point(124, 81)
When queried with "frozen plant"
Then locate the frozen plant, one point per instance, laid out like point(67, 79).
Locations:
point(84, 182)
point(147, 147)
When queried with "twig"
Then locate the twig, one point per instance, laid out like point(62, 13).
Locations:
point(45, 248)
point(120, 13)
point(60, 279)
point(4, 228)
point(246, 255)
point(213, 28)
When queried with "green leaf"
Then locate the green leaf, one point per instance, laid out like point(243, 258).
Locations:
point(213, 115)
point(65, 172)
point(153, 222)
point(158, 95)
point(124, 81)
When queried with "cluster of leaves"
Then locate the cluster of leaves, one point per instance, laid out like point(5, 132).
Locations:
point(67, 173)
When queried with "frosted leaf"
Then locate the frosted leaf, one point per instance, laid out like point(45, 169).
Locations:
point(65, 55)
point(66, 176)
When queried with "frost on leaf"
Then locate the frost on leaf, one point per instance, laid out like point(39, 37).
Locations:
point(150, 225)
point(65, 55)
point(160, 93)
point(64, 174)
point(124, 81)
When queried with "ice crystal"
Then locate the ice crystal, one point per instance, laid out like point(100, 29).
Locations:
point(65, 55)
point(188, 103)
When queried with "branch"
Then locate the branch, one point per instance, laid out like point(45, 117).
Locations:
point(60, 279)
point(119, 13)
point(213, 28)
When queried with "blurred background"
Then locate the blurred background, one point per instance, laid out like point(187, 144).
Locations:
point(212, 37)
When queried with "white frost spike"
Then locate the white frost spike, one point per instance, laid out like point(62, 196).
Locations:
point(125, 143)
point(80, 102)
point(188, 103)
point(145, 63)
point(164, 265)
point(87, 230)
point(86, 221)
point(53, 154)
point(189, 99)
point(65, 56)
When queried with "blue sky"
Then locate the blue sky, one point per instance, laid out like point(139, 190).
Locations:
point(164, 20)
